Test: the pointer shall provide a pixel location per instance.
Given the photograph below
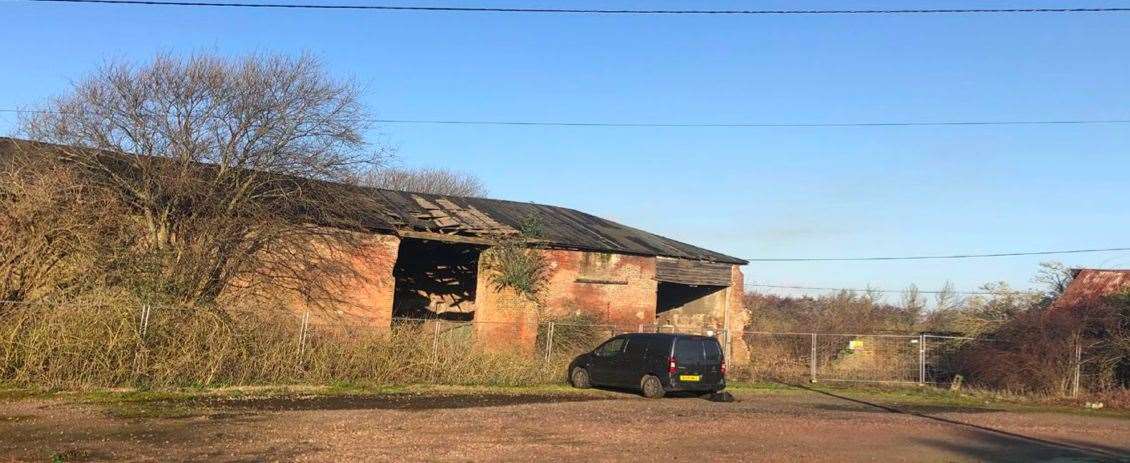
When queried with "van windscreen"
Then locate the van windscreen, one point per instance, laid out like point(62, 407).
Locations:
point(688, 351)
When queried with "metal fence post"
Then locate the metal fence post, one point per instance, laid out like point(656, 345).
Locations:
point(921, 359)
point(729, 345)
point(302, 332)
point(435, 338)
point(549, 342)
point(143, 324)
point(1078, 361)
point(812, 360)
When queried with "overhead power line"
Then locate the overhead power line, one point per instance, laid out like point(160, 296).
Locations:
point(875, 290)
point(752, 124)
point(484, 9)
point(482, 122)
point(934, 257)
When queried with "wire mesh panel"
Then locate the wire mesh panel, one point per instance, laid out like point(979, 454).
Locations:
point(568, 340)
point(942, 358)
point(778, 356)
point(867, 358)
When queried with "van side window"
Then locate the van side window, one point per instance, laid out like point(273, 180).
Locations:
point(611, 348)
point(688, 351)
point(637, 347)
point(713, 351)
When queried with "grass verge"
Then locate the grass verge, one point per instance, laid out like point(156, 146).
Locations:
point(917, 399)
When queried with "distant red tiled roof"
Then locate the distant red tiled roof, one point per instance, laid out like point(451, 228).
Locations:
point(1091, 285)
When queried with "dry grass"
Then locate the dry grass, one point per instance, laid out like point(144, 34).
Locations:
point(81, 346)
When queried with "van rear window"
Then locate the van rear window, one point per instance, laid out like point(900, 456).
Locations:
point(688, 351)
point(713, 351)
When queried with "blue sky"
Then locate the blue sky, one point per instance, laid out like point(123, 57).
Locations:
point(749, 192)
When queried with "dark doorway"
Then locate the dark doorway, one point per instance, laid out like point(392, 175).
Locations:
point(692, 299)
point(689, 307)
point(435, 279)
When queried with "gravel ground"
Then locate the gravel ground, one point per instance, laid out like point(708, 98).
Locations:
point(599, 426)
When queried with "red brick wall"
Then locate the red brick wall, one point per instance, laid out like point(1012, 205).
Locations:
point(619, 289)
point(503, 319)
point(367, 298)
point(616, 289)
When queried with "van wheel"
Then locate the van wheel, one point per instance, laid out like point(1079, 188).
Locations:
point(580, 378)
point(651, 387)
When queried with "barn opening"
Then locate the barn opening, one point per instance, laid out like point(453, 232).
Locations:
point(435, 280)
point(691, 294)
point(678, 304)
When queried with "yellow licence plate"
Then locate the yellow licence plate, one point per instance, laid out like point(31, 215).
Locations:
point(690, 377)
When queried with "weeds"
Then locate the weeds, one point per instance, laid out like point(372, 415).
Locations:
point(84, 346)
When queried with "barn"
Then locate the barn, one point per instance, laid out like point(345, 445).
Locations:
point(423, 258)
point(429, 263)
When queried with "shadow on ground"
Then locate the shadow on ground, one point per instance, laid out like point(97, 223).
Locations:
point(984, 443)
point(407, 402)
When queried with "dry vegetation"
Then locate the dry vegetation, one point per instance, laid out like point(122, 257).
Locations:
point(1020, 344)
point(102, 343)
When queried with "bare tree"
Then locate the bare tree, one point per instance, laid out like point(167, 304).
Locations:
point(1054, 278)
point(946, 311)
point(53, 228)
point(913, 305)
point(425, 180)
point(228, 165)
point(947, 298)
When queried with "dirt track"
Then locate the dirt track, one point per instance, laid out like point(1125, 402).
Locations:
point(603, 426)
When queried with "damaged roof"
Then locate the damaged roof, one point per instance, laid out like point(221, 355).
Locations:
point(1091, 285)
point(456, 218)
point(558, 226)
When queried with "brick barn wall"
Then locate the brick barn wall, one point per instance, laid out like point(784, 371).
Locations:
point(739, 317)
point(367, 298)
point(616, 288)
point(503, 318)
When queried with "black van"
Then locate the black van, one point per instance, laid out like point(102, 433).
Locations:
point(655, 363)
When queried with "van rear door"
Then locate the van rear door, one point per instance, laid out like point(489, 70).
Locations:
point(689, 362)
point(712, 364)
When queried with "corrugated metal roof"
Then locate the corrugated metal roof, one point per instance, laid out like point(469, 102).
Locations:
point(455, 218)
point(1091, 285)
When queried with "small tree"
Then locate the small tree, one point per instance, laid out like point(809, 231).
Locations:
point(913, 306)
point(984, 313)
point(227, 166)
point(1053, 277)
point(515, 264)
